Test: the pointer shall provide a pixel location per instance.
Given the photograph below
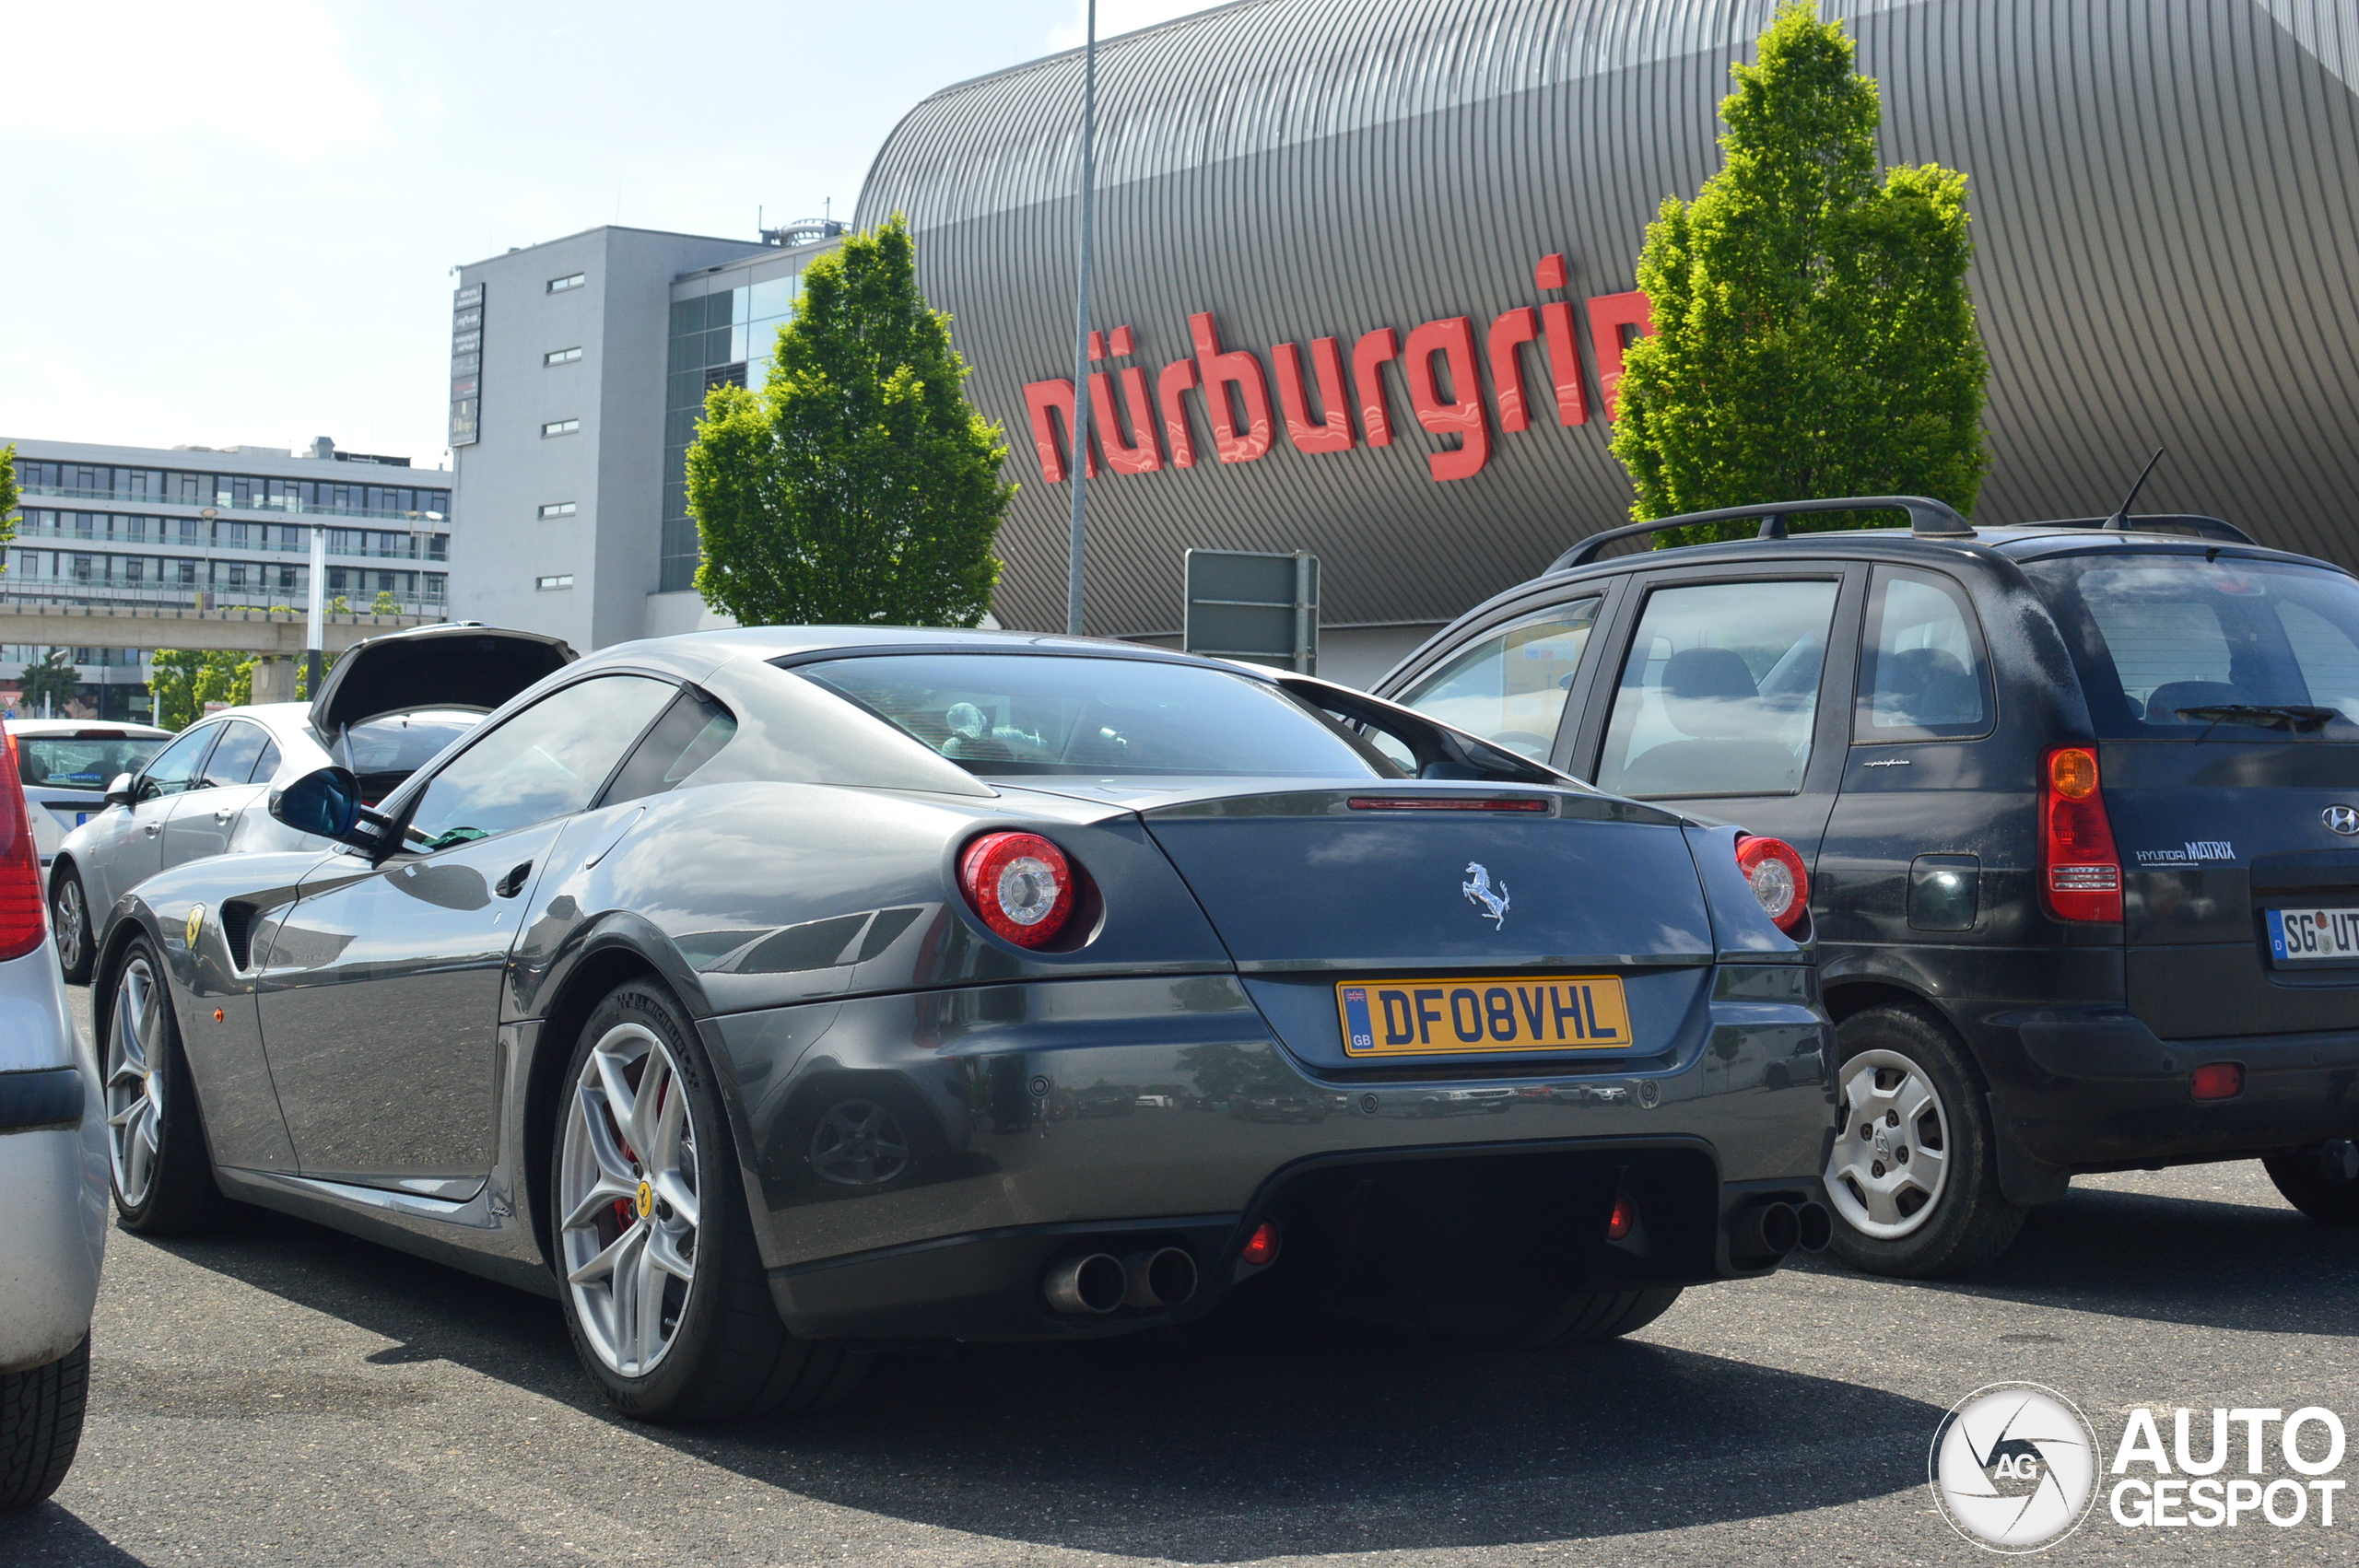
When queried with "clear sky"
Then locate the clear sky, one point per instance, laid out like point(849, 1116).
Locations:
point(235, 222)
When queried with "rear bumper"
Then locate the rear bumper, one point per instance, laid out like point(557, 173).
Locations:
point(52, 1248)
point(2106, 1091)
point(1109, 1114)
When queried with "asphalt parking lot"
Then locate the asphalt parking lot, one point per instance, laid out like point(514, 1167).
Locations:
point(284, 1395)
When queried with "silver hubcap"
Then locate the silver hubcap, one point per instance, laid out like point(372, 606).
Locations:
point(627, 1190)
point(136, 1082)
point(1891, 1158)
point(69, 919)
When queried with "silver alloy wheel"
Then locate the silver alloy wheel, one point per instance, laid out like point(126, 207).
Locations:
point(1891, 1158)
point(70, 918)
point(136, 1080)
point(627, 1188)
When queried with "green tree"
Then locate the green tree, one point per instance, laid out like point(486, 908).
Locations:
point(53, 678)
point(7, 494)
point(1813, 333)
point(180, 681)
point(386, 603)
point(858, 485)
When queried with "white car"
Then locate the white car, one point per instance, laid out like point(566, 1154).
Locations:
point(53, 1166)
point(390, 706)
point(65, 764)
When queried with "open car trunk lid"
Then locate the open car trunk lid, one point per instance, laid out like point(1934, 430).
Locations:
point(1482, 926)
point(463, 666)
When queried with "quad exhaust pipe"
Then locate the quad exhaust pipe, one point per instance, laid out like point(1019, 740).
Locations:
point(1775, 1230)
point(1098, 1282)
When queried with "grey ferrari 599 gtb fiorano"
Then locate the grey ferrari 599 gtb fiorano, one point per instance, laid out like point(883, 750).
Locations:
point(772, 996)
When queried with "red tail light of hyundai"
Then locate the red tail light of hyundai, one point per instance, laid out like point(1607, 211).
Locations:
point(2080, 870)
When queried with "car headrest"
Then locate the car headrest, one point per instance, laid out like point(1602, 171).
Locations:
point(1709, 694)
point(2164, 701)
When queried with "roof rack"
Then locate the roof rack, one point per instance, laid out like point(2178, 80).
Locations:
point(2194, 524)
point(1928, 519)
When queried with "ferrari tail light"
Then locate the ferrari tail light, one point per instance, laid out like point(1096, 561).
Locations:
point(22, 923)
point(1020, 883)
point(1779, 880)
point(2079, 871)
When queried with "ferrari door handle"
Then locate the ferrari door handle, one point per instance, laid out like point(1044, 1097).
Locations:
point(513, 883)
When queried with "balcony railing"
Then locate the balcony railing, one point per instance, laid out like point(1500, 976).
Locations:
point(172, 596)
point(226, 502)
point(168, 543)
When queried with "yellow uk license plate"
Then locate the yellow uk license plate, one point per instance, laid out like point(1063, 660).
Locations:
point(1548, 1012)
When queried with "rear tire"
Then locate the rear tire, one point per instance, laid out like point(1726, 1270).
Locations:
point(40, 1425)
point(2328, 1198)
point(710, 1348)
point(1893, 1059)
point(162, 1170)
point(1602, 1315)
point(69, 917)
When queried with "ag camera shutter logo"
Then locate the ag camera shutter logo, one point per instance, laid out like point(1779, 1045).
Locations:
point(2013, 1466)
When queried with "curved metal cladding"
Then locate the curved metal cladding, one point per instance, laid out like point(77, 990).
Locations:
point(2163, 196)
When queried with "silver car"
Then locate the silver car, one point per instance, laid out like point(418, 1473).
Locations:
point(390, 705)
point(66, 764)
point(53, 1166)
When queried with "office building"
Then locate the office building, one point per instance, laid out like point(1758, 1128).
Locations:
point(199, 527)
point(578, 368)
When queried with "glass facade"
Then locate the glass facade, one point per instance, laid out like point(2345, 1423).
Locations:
point(341, 496)
point(725, 336)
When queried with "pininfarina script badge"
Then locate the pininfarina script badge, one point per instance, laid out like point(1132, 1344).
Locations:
point(1491, 903)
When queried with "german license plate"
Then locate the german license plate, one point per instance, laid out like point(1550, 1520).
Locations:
point(1548, 1012)
point(2314, 936)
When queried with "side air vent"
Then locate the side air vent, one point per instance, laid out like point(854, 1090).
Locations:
point(238, 930)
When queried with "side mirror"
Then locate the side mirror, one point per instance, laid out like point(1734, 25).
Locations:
point(118, 792)
point(325, 804)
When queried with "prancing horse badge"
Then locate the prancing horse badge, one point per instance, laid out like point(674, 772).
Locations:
point(1492, 904)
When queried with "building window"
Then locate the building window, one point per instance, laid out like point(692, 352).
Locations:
point(558, 509)
point(561, 356)
point(571, 280)
point(560, 428)
point(551, 584)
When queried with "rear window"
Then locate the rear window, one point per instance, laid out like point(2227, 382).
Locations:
point(68, 762)
point(2176, 645)
point(403, 743)
point(1042, 714)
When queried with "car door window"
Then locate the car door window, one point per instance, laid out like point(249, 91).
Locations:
point(177, 764)
point(691, 733)
point(1719, 690)
point(1510, 688)
point(547, 761)
point(266, 765)
point(232, 761)
point(1922, 673)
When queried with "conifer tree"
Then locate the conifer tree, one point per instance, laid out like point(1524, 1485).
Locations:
point(857, 486)
point(1814, 332)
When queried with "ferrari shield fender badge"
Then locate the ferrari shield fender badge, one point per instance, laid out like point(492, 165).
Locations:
point(195, 923)
point(1490, 904)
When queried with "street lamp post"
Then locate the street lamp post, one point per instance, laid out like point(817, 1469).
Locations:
point(316, 639)
point(1074, 545)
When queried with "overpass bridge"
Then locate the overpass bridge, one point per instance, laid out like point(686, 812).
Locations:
point(276, 638)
